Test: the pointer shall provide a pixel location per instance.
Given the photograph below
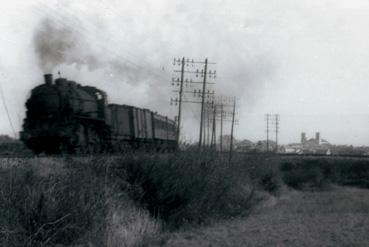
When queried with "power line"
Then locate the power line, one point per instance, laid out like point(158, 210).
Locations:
point(231, 145)
point(203, 101)
point(267, 116)
point(272, 119)
point(180, 101)
point(205, 95)
point(276, 130)
point(225, 115)
point(7, 112)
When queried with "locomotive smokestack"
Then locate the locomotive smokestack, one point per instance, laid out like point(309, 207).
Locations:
point(48, 79)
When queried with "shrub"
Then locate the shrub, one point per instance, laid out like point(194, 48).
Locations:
point(354, 173)
point(265, 176)
point(270, 181)
point(314, 174)
point(317, 173)
point(14, 148)
point(186, 187)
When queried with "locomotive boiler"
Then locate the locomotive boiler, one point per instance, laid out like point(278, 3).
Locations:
point(65, 117)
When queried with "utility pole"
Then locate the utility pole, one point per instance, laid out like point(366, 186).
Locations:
point(221, 127)
point(202, 102)
point(7, 111)
point(223, 115)
point(213, 134)
point(180, 101)
point(204, 129)
point(276, 130)
point(208, 124)
point(267, 130)
point(231, 146)
point(182, 82)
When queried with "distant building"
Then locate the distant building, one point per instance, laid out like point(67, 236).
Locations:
point(292, 148)
point(245, 146)
point(309, 146)
point(266, 146)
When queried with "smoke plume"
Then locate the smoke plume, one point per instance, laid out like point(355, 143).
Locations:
point(56, 45)
point(63, 44)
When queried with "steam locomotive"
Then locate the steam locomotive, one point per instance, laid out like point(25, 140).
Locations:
point(65, 117)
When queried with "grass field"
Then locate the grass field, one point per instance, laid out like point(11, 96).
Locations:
point(183, 199)
point(338, 217)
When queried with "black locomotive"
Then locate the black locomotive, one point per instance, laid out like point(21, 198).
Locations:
point(65, 117)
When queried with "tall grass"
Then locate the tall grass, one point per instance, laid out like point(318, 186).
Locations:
point(115, 201)
point(76, 205)
point(44, 210)
point(124, 201)
point(13, 148)
point(128, 225)
point(318, 173)
point(186, 188)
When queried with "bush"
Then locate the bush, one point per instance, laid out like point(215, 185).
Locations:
point(270, 181)
point(266, 177)
point(313, 174)
point(354, 173)
point(186, 187)
point(317, 173)
point(14, 148)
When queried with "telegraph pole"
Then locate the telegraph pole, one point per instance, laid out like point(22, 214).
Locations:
point(276, 130)
point(7, 112)
point(181, 81)
point(204, 129)
point(221, 127)
point(213, 134)
point(224, 116)
point(231, 146)
point(208, 124)
point(180, 102)
point(202, 102)
point(267, 130)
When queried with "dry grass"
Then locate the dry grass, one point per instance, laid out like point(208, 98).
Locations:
point(128, 225)
point(129, 200)
point(72, 201)
point(339, 217)
point(105, 201)
point(186, 188)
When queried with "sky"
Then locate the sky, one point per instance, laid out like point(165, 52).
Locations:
point(305, 60)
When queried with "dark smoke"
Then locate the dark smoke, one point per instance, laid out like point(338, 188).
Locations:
point(56, 45)
point(61, 44)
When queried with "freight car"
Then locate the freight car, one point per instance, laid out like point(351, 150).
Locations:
point(65, 117)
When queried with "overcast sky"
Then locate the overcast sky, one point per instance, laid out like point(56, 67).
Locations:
point(306, 60)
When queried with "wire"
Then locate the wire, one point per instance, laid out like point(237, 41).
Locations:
point(7, 112)
point(191, 108)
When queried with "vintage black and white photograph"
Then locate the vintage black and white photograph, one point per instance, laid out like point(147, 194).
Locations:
point(128, 123)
